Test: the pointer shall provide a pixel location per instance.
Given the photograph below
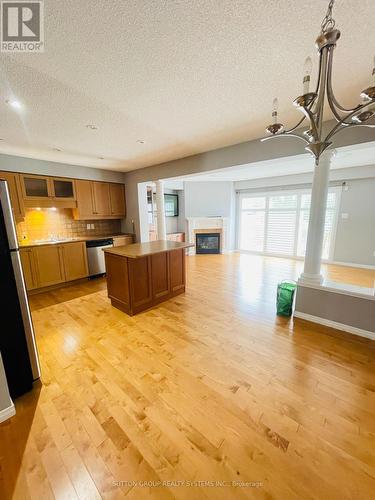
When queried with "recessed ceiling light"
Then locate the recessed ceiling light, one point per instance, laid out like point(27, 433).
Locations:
point(56, 149)
point(140, 141)
point(14, 103)
point(100, 157)
point(91, 127)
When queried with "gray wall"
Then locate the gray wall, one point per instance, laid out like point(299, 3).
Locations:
point(210, 199)
point(353, 311)
point(238, 154)
point(355, 237)
point(31, 166)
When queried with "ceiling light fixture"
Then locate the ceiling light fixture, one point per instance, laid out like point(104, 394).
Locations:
point(91, 127)
point(14, 103)
point(318, 140)
point(57, 149)
point(100, 157)
point(140, 141)
point(312, 104)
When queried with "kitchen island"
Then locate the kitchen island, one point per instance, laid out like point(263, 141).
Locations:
point(142, 275)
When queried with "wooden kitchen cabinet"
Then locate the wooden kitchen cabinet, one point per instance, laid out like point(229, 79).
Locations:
point(63, 189)
point(117, 199)
point(99, 200)
point(85, 202)
point(75, 260)
point(49, 265)
point(15, 192)
point(47, 192)
point(144, 274)
point(177, 270)
point(36, 187)
point(28, 267)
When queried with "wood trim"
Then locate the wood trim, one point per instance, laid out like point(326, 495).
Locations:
point(49, 203)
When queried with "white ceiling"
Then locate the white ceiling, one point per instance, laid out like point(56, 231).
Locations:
point(185, 76)
point(346, 157)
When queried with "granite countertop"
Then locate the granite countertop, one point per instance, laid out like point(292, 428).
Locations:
point(138, 250)
point(70, 240)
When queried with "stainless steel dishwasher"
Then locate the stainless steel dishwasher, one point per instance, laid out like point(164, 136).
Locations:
point(95, 256)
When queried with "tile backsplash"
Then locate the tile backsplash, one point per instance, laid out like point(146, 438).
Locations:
point(48, 223)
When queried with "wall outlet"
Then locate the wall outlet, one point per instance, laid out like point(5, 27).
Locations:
point(345, 216)
point(88, 226)
point(373, 253)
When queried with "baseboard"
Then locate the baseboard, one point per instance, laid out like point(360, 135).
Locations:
point(335, 325)
point(351, 264)
point(7, 413)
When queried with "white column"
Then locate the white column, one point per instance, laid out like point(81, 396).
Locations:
point(160, 210)
point(313, 257)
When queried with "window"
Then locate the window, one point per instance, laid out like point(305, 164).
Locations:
point(276, 223)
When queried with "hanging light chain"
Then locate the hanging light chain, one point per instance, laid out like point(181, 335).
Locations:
point(328, 22)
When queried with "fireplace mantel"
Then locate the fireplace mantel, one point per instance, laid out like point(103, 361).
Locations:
point(208, 224)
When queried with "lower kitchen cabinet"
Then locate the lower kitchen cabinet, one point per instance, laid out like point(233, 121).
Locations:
point(75, 260)
point(28, 267)
point(49, 265)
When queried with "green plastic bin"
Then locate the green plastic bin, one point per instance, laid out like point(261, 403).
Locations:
point(285, 298)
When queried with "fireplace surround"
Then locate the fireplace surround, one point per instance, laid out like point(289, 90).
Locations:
point(196, 225)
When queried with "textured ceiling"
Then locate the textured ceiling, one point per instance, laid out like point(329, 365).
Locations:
point(185, 76)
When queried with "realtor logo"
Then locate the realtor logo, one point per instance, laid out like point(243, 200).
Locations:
point(22, 26)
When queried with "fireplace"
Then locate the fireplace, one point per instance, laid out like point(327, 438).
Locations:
point(207, 243)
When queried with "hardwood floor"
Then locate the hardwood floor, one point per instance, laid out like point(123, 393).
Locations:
point(209, 386)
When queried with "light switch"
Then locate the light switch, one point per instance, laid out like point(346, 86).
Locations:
point(87, 226)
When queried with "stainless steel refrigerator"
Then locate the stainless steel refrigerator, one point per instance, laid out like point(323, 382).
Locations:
point(17, 339)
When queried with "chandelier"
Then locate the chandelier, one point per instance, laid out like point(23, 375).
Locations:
point(312, 104)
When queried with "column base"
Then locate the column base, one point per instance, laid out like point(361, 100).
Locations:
point(310, 279)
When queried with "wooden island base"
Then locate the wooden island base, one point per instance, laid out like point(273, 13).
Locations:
point(142, 275)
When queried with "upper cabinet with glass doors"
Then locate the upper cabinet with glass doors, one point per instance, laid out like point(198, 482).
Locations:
point(47, 189)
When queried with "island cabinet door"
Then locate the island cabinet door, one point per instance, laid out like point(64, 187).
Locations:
point(140, 283)
point(177, 270)
point(118, 281)
point(160, 276)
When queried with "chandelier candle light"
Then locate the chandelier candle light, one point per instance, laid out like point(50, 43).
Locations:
point(318, 140)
